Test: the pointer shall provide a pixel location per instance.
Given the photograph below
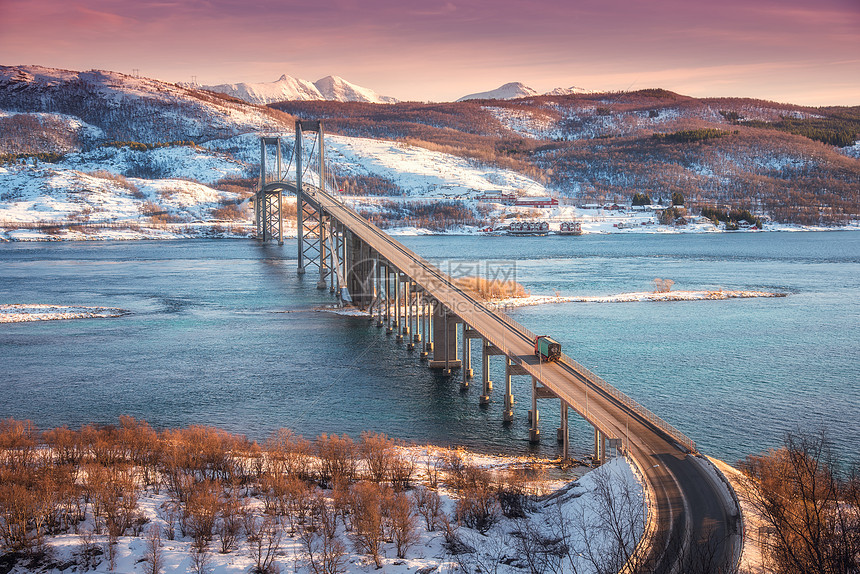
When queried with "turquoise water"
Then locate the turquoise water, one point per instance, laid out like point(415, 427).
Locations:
point(223, 333)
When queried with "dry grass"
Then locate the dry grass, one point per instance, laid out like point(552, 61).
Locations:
point(489, 289)
point(230, 212)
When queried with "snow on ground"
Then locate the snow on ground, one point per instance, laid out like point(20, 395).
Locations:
point(424, 173)
point(577, 503)
point(72, 123)
point(24, 313)
point(751, 559)
point(851, 151)
point(526, 123)
point(188, 162)
point(631, 297)
point(57, 201)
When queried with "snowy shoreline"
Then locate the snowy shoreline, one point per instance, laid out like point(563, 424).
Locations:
point(27, 313)
point(210, 230)
point(642, 296)
point(638, 297)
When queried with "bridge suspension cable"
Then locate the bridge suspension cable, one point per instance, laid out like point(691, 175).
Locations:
point(310, 156)
point(283, 176)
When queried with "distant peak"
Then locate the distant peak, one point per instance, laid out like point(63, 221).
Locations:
point(509, 91)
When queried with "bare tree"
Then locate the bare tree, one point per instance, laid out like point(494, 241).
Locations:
point(168, 511)
point(478, 506)
point(484, 553)
point(87, 550)
point(263, 536)
point(153, 556)
point(289, 454)
point(378, 453)
point(337, 457)
point(662, 285)
point(811, 511)
point(230, 518)
point(325, 550)
point(402, 522)
point(367, 519)
point(429, 506)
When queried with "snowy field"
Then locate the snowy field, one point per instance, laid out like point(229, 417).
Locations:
point(566, 510)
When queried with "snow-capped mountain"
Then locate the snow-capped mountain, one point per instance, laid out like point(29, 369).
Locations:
point(568, 91)
point(122, 107)
point(284, 88)
point(510, 91)
point(337, 89)
point(516, 90)
point(287, 88)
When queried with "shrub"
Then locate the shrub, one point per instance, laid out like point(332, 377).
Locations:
point(492, 288)
point(337, 458)
point(368, 501)
point(229, 212)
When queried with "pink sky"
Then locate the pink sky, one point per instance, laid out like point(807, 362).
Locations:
point(784, 50)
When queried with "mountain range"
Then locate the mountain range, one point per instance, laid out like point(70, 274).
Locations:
point(336, 89)
point(797, 164)
point(330, 88)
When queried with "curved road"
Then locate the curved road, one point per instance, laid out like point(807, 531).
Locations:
point(695, 527)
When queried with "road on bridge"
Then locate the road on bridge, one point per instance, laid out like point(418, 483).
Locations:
point(695, 522)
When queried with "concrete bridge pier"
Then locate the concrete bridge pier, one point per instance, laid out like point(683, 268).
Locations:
point(428, 334)
point(508, 413)
point(563, 435)
point(444, 340)
point(358, 271)
point(468, 335)
point(487, 349)
point(407, 301)
point(425, 325)
point(467, 357)
point(599, 447)
point(534, 431)
point(379, 299)
point(407, 330)
point(398, 301)
point(419, 316)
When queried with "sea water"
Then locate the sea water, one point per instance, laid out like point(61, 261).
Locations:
point(225, 333)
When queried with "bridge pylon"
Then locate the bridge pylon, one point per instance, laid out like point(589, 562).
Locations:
point(317, 237)
point(268, 201)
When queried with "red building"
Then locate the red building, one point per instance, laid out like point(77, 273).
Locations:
point(536, 202)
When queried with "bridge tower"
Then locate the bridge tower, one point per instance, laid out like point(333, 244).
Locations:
point(310, 220)
point(319, 240)
point(268, 201)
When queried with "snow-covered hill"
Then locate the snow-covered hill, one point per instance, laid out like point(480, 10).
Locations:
point(284, 88)
point(332, 88)
point(516, 90)
point(510, 91)
point(170, 191)
point(337, 89)
point(568, 91)
point(126, 107)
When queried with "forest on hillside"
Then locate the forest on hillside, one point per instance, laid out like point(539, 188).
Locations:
point(771, 159)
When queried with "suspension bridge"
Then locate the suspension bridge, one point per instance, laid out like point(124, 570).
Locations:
point(690, 504)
